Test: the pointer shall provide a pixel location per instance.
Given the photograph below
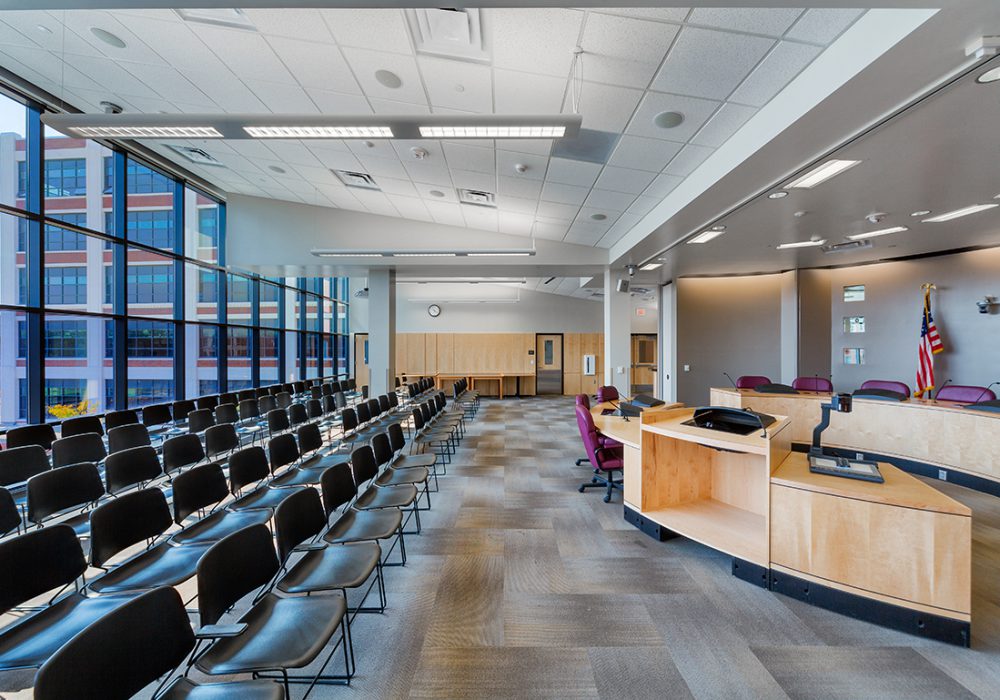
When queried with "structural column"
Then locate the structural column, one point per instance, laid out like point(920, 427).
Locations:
point(617, 334)
point(381, 331)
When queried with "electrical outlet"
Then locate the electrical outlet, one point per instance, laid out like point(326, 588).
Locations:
point(942, 475)
point(687, 368)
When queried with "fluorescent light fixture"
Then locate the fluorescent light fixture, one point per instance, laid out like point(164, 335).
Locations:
point(706, 236)
point(334, 254)
point(880, 232)
point(780, 194)
point(423, 255)
point(462, 280)
point(958, 213)
point(145, 132)
point(990, 76)
point(518, 254)
point(823, 173)
point(492, 132)
point(650, 266)
point(319, 132)
point(802, 244)
point(368, 253)
point(921, 212)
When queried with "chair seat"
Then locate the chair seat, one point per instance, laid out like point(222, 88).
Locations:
point(321, 462)
point(262, 498)
point(219, 525)
point(401, 477)
point(357, 526)
point(377, 498)
point(336, 566)
point(186, 689)
point(605, 441)
point(281, 633)
point(298, 477)
point(31, 641)
point(164, 565)
point(411, 461)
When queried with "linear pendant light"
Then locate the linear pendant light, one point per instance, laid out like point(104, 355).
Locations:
point(312, 126)
point(349, 253)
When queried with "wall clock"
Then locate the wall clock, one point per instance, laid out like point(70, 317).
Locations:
point(434, 310)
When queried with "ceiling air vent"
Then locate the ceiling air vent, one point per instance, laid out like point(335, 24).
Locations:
point(233, 18)
point(353, 179)
point(477, 197)
point(846, 247)
point(195, 155)
point(450, 33)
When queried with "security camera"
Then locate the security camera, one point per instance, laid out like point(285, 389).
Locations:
point(985, 303)
point(631, 270)
point(876, 217)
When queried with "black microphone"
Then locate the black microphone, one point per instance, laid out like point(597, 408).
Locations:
point(979, 398)
point(946, 383)
point(731, 380)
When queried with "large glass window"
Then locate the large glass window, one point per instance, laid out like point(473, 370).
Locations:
point(150, 339)
point(153, 227)
point(238, 346)
point(269, 370)
point(238, 299)
point(65, 338)
point(65, 177)
point(146, 391)
point(65, 285)
point(150, 283)
point(13, 126)
point(68, 398)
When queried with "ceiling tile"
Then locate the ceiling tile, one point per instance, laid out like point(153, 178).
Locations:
point(550, 231)
point(338, 103)
point(136, 49)
point(696, 112)
point(463, 157)
point(624, 224)
point(446, 213)
point(378, 29)
point(292, 151)
point(624, 179)
point(315, 174)
point(586, 215)
point(387, 167)
point(643, 153)
point(643, 205)
point(608, 200)
point(525, 93)
point(555, 210)
point(410, 207)
point(564, 194)
point(538, 147)
point(428, 172)
point(245, 53)
point(378, 148)
point(112, 76)
point(821, 25)
point(707, 63)
point(517, 205)
point(26, 24)
point(316, 65)
point(723, 124)
point(667, 14)
point(173, 41)
point(775, 72)
point(605, 107)
point(336, 159)
point(519, 187)
point(535, 40)
point(226, 89)
point(282, 98)
point(298, 23)
point(507, 161)
point(466, 179)
point(624, 51)
point(380, 106)
point(687, 160)
point(444, 194)
point(404, 149)
point(483, 218)
point(168, 83)
point(457, 84)
point(365, 63)
point(585, 234)
point(517, 224)
point(750, 20)
point(572, 172)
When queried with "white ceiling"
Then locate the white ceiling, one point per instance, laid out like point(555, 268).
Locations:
point(717, 66)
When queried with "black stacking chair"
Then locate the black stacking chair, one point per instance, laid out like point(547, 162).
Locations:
point(248, 466)
point(275, 389)
point(260, 392)
point(81, 425)
point(310, 444)
point(228, 397)
point(338, 488)
point(43, 435)
point(249, 410)
point(209, 402)
point(402, 496)
point(314, 408)
point(396, 475)
point(116, 419)
point(297, 414)
point(127, 468)
point(397, 442)
point(266, 404)
point(200, 420)
point(180, 410)
point(276, 634)
point(284, 399)
point(19, 464)
point(226, 413)
point(60, 490)
point(323, 567)
point(282, 451)
point(246, 395)
point(326, 389)
point(33, 564)
point(156, 414)
point(277, 421)
point(126, 437)
point(90, 666)
point(122, 522)
point(198, 489)
point(10, 514)
point(86, 447)
point(438, 441)
point(315, 392)
point(181, 452)
point(298, 388)
point(340, 400)
point(220, 440)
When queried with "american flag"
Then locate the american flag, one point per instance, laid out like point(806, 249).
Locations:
point(930, 345)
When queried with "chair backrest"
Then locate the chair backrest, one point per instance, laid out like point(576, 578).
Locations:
point(812, 384)
point(125, 521)
point(130, 467)
point(38, 561)
point(297, 414)
point(340, 400)
point(42, 435)
point(327, 389)
point(751, 381)
point(260, 392)
point(21, 463)
point(396, 439)
point(275, 389)
point(282, 451)
point(247, 466)
point(266, 404)
point(284, 399)
point(298, 387)
point(156, 414)
point(182, 451)
point(310, 438)
point(57, 490)
point(246, 395)
point(418, 419)
point(228, 397)
point(337, 485)
point(315, 392)
point(374, 408)
point(887, 385)
point(958, 392)
point(363, 464)
point(277, 420)
point(119, 418)
point(220, 439)
point(314, 408)
point(200, 419)
point(588, 433)
point(393, 400)
point(226, 413)
point(231, 568)
point(125, 437)
point(299, 517)
point(381, 448)
point(208, 401)
point(607, 393)
point(92, 664)
point(350, 419)
point(583, 400)
point(87, 447)
point(10, 514)
point(81, 425)
point(181, 409)
point(364, 412)
point(249, 409)
point(198, 488)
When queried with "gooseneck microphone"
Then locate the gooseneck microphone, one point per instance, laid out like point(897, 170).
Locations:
point(726, 374)
point(946, 383)
point(980, 397)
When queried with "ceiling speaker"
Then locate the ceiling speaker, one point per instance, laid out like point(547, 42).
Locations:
point(622, 285)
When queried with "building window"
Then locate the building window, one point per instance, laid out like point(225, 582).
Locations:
point(109, 338)
point(150, 284)
point(22, 286)
point(109, 394)
point(208, 341)
point(66, 177)
point(146, 391)
point(67, 393)
point(208, 288)
point(22, 179)
point(150, 339)
point(22, 339)
point(56, 238)
point(154, 228)
point(142, 180)
point(109, 178)
point(207, 386)
point(65, 339)
point(208, 227)
point(66, 285)
point(22, 399)
point(238, 289)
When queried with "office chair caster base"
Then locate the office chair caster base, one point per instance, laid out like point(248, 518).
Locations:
point(582, 489)
point(607, 498)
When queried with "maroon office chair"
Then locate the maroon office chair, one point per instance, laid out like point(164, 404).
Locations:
point(604, 440)
point(965, 394)
point(751, 381)
point(887, 385)
point(607, 393)
point(583, 400)
point(604, 459)
point(812, 384)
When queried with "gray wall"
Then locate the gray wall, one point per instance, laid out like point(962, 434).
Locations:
point(726, 324)
point(814, 339)
point(892, 311)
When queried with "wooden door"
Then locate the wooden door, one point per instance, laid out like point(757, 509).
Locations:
point(549, 363)
point(361, 359)
point(643, 364)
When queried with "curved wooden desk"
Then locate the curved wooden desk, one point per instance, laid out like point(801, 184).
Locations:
point(933, 433)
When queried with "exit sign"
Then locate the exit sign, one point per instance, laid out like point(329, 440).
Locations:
point(640, 312)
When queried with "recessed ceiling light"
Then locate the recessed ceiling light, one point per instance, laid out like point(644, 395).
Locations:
point(958, 213)
point(921, 212)
point(720, 227)
point(388, 79)
point(990, 76)
point(880, 232)
point(319, 132)
point(668, 120)
point(823, 173)
point(493, 132)
point(436, 193)
point(598, 217)
point(705, 236)
point(650, 266)
point(802, 244)
point(276, 168)
point(108, 38)
point(459, 87)
point(780, 194)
